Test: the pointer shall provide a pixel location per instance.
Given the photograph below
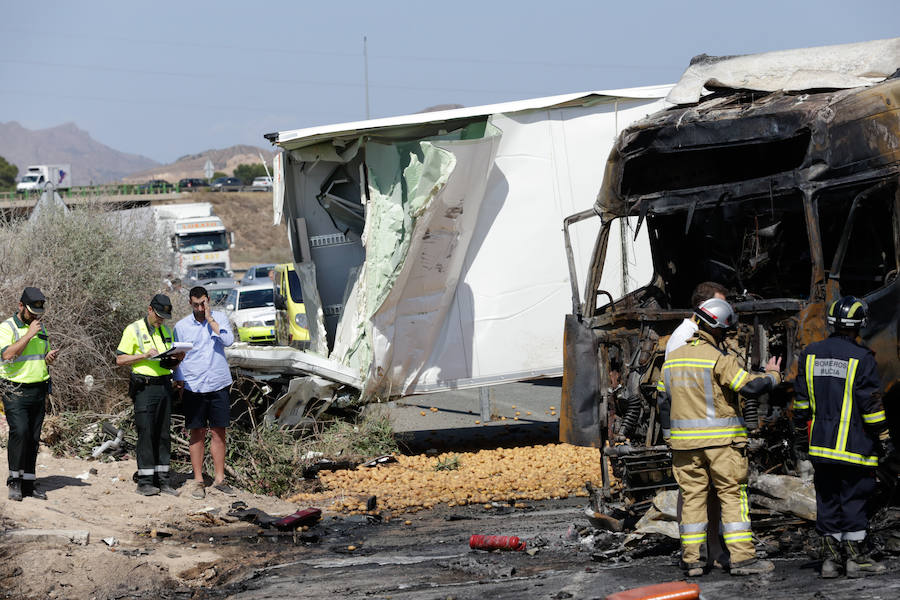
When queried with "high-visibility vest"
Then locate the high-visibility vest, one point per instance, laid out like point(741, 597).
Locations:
point(29, 366)
point(137, 339)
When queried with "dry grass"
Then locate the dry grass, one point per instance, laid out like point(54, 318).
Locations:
point(97, 278)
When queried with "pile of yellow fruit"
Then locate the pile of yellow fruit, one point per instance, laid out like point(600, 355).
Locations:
point(502, 475)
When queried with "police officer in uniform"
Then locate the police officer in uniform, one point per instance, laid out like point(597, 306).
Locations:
point(150, 387)
point(26, 353)
point(840, 425)
point(702, 423)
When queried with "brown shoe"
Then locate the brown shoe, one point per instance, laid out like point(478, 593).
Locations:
point(752, 566)
point(198, 490)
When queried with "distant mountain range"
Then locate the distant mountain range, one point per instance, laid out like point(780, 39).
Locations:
point(192, 165)
point(67, 144)
point(93, 162)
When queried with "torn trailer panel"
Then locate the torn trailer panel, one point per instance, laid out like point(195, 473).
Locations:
point(433, 239)
point(788, 199)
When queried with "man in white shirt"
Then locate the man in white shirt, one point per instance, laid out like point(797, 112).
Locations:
point(205, 380)
point(688, 327)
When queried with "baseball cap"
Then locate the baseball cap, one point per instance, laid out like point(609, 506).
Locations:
point(33, 300)
point(162, 306)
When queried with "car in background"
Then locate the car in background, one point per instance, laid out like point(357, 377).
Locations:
point(155, 185)
point(218, 294)
point(258, 274)
point(262, 184)
point(251, 310)
point(291, 325)
point(226, 184)
point(191, 184)
point(206, 275)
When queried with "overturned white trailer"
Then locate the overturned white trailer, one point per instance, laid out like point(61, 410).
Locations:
point(430, 245)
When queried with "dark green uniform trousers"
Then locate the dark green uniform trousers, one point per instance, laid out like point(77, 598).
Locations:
point(24, 406)
point(152, 419)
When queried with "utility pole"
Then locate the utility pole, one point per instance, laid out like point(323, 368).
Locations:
point(366, 67)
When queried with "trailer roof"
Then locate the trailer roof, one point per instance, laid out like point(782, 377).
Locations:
point(299, 138)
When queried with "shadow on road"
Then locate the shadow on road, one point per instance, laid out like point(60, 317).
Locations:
point(468, 439)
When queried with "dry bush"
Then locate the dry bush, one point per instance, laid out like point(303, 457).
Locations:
point(98, 271)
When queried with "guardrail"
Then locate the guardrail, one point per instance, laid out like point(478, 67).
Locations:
point(86, 191)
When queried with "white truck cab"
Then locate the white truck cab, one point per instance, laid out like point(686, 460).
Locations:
point(36, 177)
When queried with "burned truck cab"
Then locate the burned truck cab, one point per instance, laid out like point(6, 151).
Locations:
point(788, 199)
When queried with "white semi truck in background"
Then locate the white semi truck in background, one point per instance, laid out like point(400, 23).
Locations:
point(36, 177)
point(198, 237)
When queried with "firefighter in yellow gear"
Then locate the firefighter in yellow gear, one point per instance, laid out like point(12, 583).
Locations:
point(702, 423)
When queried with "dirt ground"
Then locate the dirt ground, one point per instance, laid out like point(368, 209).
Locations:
point(172, 547)
point(155, 550)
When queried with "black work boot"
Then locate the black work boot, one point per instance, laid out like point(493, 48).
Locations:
point(146, 489)
point(165, 488)
point(833, 558)
point(859, 563)
point(15, 489)
point(30, 489)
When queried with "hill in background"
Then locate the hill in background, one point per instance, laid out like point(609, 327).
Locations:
point(192, 165)
point(67, 144)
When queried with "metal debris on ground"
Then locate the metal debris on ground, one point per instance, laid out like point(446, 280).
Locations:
point(785, 494)
point(307, 516)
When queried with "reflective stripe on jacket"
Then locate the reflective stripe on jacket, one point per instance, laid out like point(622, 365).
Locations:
point(697, 395)
point(30, 366)
point(137, 339)
point(839, 393)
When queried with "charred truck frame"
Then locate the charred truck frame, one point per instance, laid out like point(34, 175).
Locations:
point(788, 199)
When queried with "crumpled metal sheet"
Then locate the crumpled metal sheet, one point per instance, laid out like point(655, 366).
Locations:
point(662, 517)
point(825, 67)
point(785, 494)
point(291, 408)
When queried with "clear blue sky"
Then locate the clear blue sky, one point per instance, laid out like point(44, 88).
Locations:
point(164, 79)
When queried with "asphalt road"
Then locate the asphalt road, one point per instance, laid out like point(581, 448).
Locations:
point(429, 558)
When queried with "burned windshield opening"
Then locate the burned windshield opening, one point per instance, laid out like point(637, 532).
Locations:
point(756, 248)
point(714, 165)
point(870, 257)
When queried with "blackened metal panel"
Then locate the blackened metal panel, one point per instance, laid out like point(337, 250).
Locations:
point(582, 417)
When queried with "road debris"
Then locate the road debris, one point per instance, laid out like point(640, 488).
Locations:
point(307, 516)
point(785, 494)
point(496, 542)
